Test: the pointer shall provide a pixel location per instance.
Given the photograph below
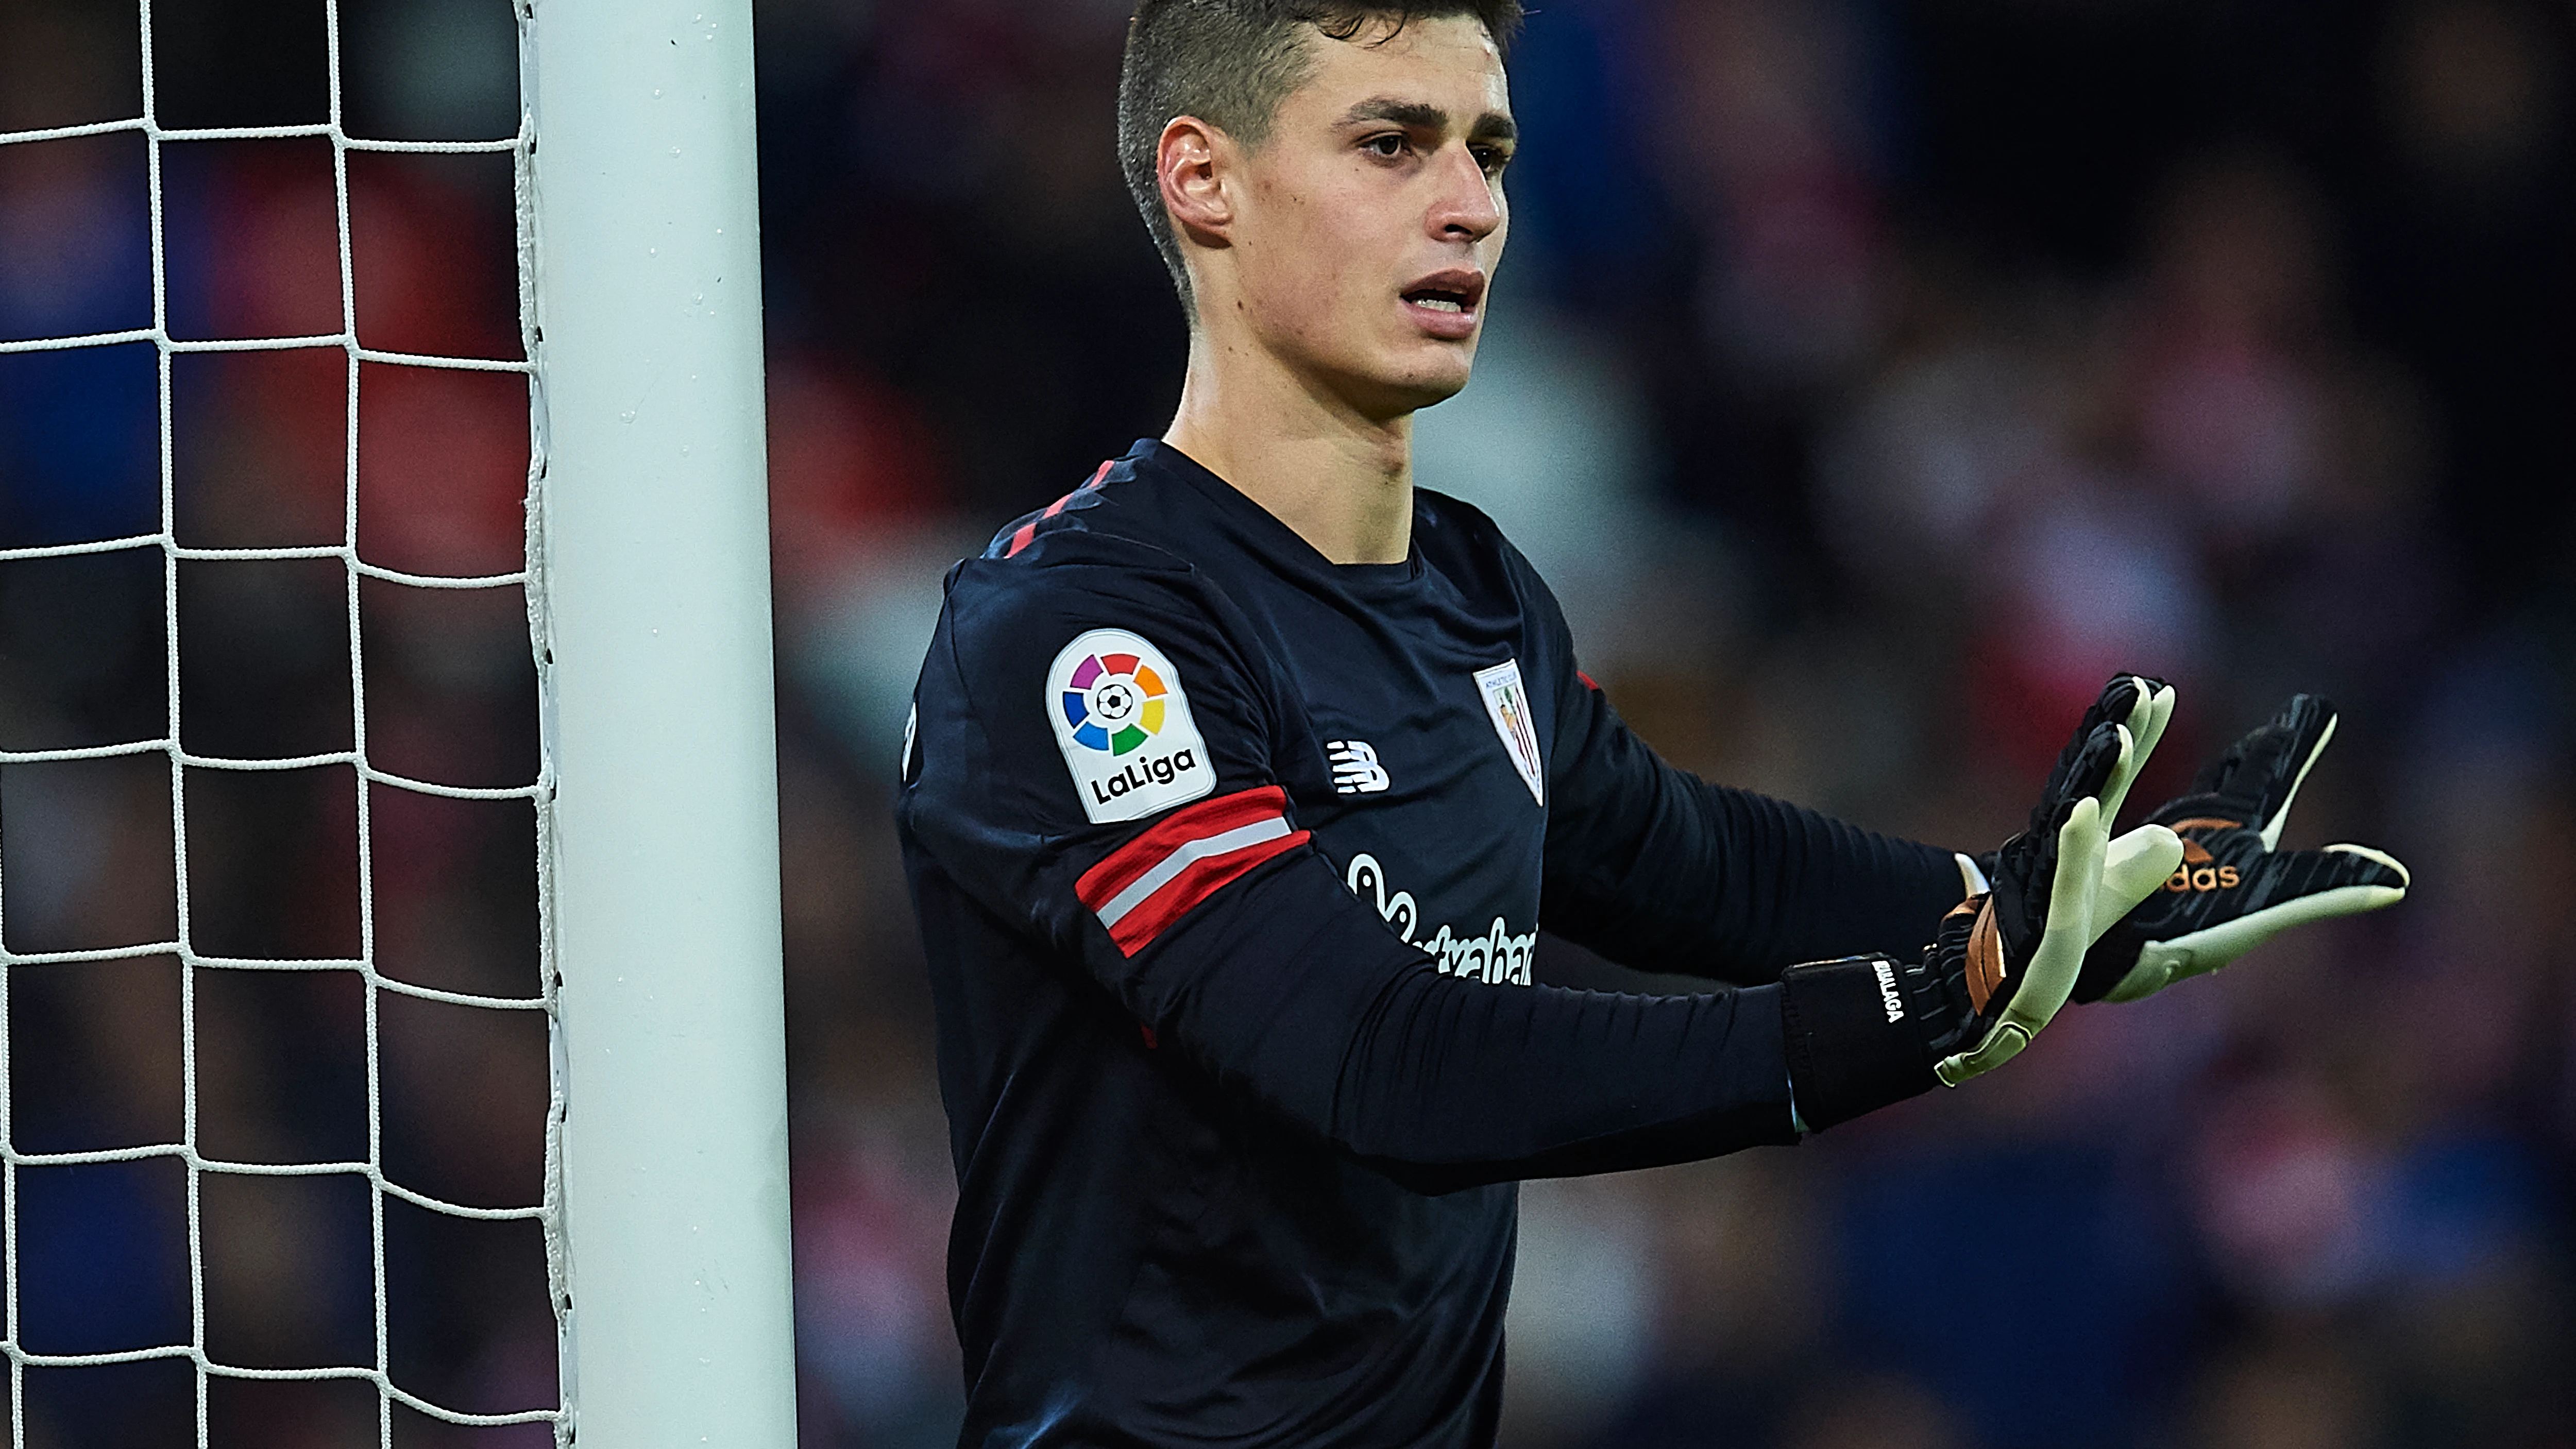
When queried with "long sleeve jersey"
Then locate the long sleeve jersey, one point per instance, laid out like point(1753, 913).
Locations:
point(1229, 863)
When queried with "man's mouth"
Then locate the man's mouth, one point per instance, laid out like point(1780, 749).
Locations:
point(1439, 300)
point(1444, 303)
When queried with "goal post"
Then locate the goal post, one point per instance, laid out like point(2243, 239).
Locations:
point(650, 559)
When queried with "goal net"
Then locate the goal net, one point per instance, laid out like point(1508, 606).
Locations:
point(628, 1056)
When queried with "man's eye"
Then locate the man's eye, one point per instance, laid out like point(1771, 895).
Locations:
point(1389, 145)
point(1492, 158)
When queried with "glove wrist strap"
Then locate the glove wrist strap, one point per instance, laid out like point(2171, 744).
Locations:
point(1852, 1044)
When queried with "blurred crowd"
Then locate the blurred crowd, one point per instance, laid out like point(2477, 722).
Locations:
point(1871, 378)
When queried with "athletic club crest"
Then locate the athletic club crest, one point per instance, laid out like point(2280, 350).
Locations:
point(1507, 704)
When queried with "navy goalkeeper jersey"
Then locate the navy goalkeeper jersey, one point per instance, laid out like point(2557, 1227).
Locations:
point(1229, 863)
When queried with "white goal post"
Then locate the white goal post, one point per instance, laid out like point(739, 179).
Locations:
point(650, 574)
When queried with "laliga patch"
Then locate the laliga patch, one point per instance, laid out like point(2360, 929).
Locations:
point(1507, 703)
point(1125, 728)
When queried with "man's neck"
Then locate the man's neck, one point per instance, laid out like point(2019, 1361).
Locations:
point(1342, 481)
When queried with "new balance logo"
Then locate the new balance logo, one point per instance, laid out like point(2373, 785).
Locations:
point(1355, 767)
point(1887, 996)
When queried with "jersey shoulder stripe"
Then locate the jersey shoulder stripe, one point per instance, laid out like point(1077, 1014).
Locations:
point(1152, 881)
point(1026, 531)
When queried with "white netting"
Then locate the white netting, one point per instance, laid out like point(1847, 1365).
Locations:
point(379, 1372)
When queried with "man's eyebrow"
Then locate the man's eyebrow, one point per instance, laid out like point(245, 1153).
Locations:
point(1419, 114)
point(1422, 115)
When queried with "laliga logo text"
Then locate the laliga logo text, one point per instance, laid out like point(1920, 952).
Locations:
point(1160, 770)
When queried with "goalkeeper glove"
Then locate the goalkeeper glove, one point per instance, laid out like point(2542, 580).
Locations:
point(2234, 890)
point(2133, 864)
point(2002, 964)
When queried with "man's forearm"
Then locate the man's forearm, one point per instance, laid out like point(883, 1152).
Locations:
point(1300, 997)
point(1737, 886)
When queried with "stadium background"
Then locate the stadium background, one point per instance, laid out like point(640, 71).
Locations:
point(1872, 377)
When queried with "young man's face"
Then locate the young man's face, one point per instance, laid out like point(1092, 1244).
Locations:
point(1374, 214)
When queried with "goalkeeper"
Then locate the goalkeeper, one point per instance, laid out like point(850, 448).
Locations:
point(1242, 779)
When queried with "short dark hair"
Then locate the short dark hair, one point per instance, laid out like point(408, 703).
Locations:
point(1230, 63)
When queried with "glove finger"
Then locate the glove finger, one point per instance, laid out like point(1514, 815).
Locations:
point(2000, 1046)
point(2220, 945)
point(2146, 725)
point(2047, 978)
point(2294, 873)
point(2025, 912)
point(2158, 717)
point(2313, 885)
point(2267, 881)
point(2134, 867)
point(2050, 975)
point(2107, 750)
point(2371, 867)
point(2158, 967)
point(2261, 773)
point(2310, 723)
point(2026, 865)
point(2122, 701)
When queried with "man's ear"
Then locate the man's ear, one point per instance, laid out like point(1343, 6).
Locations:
point(1193, 163)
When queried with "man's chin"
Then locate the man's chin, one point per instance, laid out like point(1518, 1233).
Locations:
point(1426, 383)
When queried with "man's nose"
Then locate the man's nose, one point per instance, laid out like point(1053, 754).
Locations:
point(1467, 208)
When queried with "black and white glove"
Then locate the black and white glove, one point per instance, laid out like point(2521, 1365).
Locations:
point(2233, 889)
point(1866, 1031)
point(2133, 863)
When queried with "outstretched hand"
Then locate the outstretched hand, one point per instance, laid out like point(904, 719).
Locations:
point(2011, 958)
point(1864, 1031)
point(2234, 888)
